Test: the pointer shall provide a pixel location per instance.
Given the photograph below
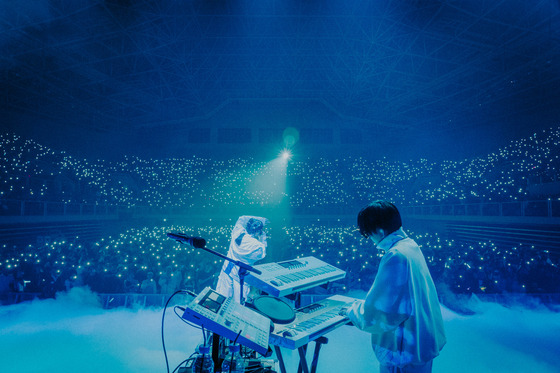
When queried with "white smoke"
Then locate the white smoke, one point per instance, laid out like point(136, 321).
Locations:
point(74, 333)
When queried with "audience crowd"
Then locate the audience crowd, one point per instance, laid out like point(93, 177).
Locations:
point(144, 260)
point(32, 172)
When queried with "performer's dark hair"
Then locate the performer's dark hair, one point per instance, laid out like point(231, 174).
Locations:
point(379, 214)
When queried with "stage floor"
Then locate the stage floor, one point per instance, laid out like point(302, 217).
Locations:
point(75, 334)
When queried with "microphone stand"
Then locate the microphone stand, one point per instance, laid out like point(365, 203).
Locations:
point(244, 269)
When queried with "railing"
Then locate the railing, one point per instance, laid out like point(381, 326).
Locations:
point(109, 301)
point(537, 208)
point(127, 300)
point(130, 300)
point(542, 208)
point(40, 208)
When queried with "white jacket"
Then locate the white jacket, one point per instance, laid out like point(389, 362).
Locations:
point(401, 310)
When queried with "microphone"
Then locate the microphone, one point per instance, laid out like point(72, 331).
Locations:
point(196, 242)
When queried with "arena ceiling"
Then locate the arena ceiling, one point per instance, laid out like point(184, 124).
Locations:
point(418, 66)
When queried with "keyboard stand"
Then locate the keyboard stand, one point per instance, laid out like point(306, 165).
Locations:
point(303, 367)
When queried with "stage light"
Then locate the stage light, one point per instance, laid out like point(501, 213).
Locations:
point(286, 154)
point(290, 136)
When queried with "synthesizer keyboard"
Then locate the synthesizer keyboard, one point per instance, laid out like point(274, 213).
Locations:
point(227, 318)
point(292, 276)
point(311, 322)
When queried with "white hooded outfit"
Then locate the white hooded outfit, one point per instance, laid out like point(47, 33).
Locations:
point(245, 248)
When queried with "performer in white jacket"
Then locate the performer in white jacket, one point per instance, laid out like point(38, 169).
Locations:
point(248, 245)
point(401, 310)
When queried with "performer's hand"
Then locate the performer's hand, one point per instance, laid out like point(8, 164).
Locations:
point(343, 312)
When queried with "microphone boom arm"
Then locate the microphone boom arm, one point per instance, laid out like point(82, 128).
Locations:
point(244, 267)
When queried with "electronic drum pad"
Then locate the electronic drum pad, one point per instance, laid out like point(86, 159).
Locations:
point(277, 310)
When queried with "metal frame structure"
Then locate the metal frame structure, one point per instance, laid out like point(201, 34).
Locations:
point(423, 66)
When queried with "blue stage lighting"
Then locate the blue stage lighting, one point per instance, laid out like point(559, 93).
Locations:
point(286, 154)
